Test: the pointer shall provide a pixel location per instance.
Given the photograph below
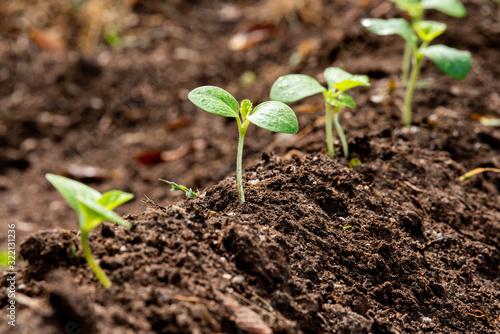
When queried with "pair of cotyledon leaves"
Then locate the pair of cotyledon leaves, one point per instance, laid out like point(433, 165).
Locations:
point(271, 115)
point(453, 62)
point(294, 87)
point(91, 206)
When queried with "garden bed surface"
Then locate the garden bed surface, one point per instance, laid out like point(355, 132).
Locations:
point(395, 245)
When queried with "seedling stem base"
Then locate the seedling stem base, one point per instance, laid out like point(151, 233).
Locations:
point(90, 259)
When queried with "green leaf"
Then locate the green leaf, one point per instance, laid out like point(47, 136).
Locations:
point(275, 116)
point(335, 75)
point(95, 213)
point(175, 187)
point(451, 7)
point(354, 162)
point(246, 108)
point(70, 189)
point(390, 27)
point(215, 100)
point(342, 80)
point(428, 30)
point(342, 101)
point(413, 7)
point(453, 62)
point(4, 259)
point(354, 81)
point(112, 199)
point(293, 87)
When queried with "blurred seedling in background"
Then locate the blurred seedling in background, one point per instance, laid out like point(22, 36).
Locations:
point(453, 62)
point(7, 258)
point(271, 115)
point(92, 209)
point(294, 87)
point(415, 9)
point(175, 187)
point(477, 171)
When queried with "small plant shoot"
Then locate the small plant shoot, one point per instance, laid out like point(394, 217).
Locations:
point(7, 258)
point(176, 187)
point(354, 162)
point(455, 63)
point(92, 209)
point(271, 115)
point(294, 87)
point(477, 171)
point(415, 9)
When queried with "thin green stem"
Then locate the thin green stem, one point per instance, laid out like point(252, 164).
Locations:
point(340, 132)
point(329, 130)
point(239, 158)
point(405, 69)
point(90, 260)
point(410, 89)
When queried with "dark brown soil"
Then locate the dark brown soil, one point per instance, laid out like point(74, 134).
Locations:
point(395, 245)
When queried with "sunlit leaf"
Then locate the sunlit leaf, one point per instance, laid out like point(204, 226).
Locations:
point(428, 30)
point(70, 189)
point(215, 100)
point(390, 27)
point(293, 87)
point(450, 7)
point(275, 116)
point(95, 213)
point(354, 81)
point(335, 75)
point(114, 198)
point(453, 62)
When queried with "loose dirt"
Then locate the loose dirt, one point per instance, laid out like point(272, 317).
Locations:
point(395, 245)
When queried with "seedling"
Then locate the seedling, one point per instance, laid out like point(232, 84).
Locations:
point(176, 187)
point(271, 115)
point(92, 209)
point(7, 259)
point(415, 9)
point(477, 171)
point(453, 62)
point(354, 162)
point(294, 87)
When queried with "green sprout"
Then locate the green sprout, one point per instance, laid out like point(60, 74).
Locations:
point(294, 87)
point(176, 187)
point(6, 259)
point(92, 209)
point(415, 9)
point(354, 162)
point(270, 115)
point(477, 171)
point(455, 63)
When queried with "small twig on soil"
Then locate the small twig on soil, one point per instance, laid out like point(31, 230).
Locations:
point(265, 302)
point(480, 314)
point(272, 311)
point(412, 186)
point(190, 299)
point(153, 204)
